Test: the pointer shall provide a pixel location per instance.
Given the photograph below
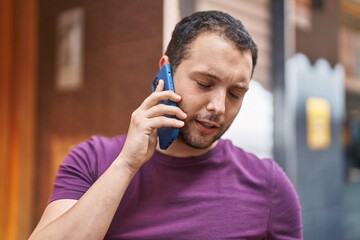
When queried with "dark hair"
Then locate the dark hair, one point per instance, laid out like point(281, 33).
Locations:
point(218, 22)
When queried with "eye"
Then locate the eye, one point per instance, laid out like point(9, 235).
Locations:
point(234, 96)
point(203, 85)
point(237, 94)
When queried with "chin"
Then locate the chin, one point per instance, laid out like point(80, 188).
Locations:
point(197, 141)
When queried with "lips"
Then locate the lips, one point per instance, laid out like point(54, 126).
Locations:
point(207, 127)
point(208, 124)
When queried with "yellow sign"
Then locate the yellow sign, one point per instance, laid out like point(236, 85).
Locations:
point(318, 123)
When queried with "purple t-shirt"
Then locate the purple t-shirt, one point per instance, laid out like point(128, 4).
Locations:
point(226, 193)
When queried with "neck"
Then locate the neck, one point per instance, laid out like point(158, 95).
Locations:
point(180, 149)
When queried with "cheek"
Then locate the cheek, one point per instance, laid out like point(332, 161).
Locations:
point(194, 103)
point(190, 103)
point(232, 111)
point(231, 117)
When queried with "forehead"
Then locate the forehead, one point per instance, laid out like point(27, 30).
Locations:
point(210, 52)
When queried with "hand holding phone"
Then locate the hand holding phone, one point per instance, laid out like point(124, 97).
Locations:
point(166, 134)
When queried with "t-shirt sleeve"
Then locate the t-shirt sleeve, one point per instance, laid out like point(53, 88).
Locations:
point(78, 171)
point(285, 211)
point(83, 166)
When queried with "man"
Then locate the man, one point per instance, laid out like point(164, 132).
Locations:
point(201, 187)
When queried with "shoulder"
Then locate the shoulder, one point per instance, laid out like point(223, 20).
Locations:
point(247, 160)
point(285, 209)
point(256, 172)
point(101, 143)
point(83, 166)
point(94, 154)
point(264, 170)
point(284, 204)
point(260, 166)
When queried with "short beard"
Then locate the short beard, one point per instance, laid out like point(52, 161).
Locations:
point(198, 141)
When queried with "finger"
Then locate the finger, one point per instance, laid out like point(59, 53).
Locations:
point(156, 97)
point(163, 121)
point(162, 109)
point(159, 86)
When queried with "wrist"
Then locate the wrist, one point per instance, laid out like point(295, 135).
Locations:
point(123, 163)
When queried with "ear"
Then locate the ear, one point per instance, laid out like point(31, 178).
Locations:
point(163, 60)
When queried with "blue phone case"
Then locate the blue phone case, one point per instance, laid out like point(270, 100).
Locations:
point(166, 134)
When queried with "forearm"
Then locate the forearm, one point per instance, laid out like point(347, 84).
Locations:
point(91, 216)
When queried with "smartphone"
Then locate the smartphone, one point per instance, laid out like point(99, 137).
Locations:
point(166, 134)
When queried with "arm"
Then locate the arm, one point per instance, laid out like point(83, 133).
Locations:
point(71, 219)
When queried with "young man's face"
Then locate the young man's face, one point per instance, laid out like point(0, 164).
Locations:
point(212, 82)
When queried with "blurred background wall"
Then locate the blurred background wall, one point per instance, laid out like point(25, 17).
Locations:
point(72, 69)
point(120, 50)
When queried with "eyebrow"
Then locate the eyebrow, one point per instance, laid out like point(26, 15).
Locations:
point(217, 78)
point(206, 74)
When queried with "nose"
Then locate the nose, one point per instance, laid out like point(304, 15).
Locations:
point(216, 103)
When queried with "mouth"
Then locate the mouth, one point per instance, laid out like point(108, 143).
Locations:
point(207, 127)
point(208, 124)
